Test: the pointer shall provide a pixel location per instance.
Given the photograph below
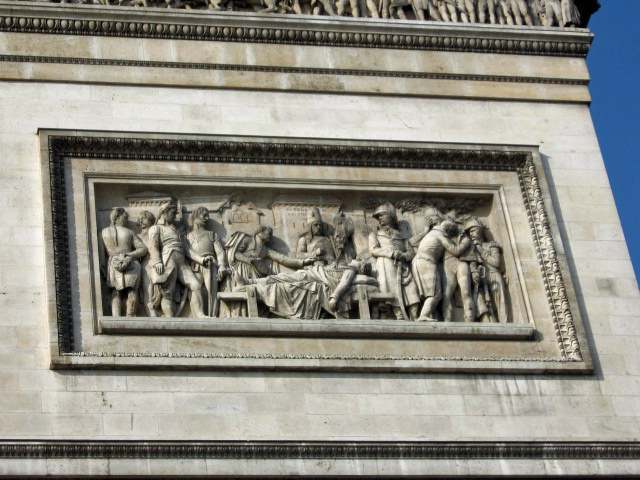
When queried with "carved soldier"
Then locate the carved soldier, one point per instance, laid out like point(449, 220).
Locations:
point(150, 292)
point(488, 276)
point(431, 245)
point(552, 12)
point(393, 255)
point(170, 264)
point(208, 260)
point(122, 269)
point(315, 243)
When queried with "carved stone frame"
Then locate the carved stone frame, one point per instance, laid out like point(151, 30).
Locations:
point(524, 161)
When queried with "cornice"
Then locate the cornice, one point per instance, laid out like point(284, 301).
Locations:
point(290, 70)
point(62, 19)
point(265, 450)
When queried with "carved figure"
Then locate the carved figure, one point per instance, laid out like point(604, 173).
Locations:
point(490, 288)
point(305, 293)
point(457, 276)
point(208, 260)
point(314, 7)
point(315, 243)
point(249, 258)
point(170, 265)
point(151, 294)
point(393, 255)
point(427, 271)
point(122, 248)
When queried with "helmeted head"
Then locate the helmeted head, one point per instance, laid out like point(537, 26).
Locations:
point(343, 225)
point(119, 216)
point(386, 214)
point(475, 229)
point(314, 220)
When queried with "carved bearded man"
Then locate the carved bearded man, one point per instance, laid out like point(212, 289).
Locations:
point(315, 243)
point(123, 249)
point(393, 255)
point(208, 260)
point(170, 265)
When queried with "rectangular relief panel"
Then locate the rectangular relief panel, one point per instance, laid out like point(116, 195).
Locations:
point(273, 253)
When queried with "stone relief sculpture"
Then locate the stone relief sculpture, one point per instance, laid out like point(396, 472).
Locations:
point(170, 267)
point(208, 260)
point(393, 255)
point(449, 271)
point(122, 249)
point(561, 13)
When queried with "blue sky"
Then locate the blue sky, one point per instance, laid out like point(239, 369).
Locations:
point(614, 64)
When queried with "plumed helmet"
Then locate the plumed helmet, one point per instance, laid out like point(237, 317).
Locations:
point(314, 216)
point(472, 222)
point(385, 208)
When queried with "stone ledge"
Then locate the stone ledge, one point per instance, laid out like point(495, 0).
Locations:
point(257, 326)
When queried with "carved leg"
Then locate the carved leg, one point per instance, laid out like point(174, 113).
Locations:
point(132, 303)
point(463, 275)
point(373, 9)
point(413, 312)
point(363, 302)
point(116, 303)
point(427, 314)
point(355, 9)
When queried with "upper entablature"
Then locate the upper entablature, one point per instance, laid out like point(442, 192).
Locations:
point(541, 13)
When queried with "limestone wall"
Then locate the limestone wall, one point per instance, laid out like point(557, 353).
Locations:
point(43, 404)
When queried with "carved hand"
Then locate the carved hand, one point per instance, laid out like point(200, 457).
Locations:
point(333, 304)
point(159, 268)
point(221, 273)
point(475, 277)
point(309, 261)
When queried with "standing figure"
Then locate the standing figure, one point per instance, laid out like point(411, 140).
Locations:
point(426, 10)
point(151, 294)
point(208, 260)
point(122, 248)
point(170, 264)
point(487, 8)
point(488, 275)
point(570, 14)
point(426, 266)
point(393, 255)
point(314, 243)
point(250, 258)
point(457, 276)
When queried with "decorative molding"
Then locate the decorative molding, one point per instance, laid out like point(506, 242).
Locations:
point(280, 152)
point(282, 29)
point(301, 450)
point(291, 70)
